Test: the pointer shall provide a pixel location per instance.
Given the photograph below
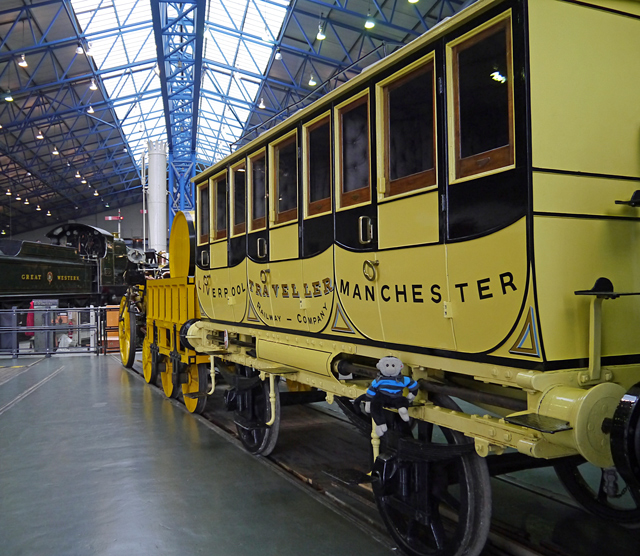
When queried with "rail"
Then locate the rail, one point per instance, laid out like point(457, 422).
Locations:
point(50, 330)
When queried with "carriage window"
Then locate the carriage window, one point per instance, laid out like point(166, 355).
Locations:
point(285, 172)
point(239, 195)
point(220, 229)
point(483, 105)
point(409, 133)
point(258, 192)
point(318, 167)
point(354, 152)
point(203, 205)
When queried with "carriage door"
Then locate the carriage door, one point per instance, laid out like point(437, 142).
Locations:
point(238, 239)
point(317, 224)
point(284, 283)
point(412, 259)
point(221, 294)
point(203, 270)
point(356, 279)
point(257, 236)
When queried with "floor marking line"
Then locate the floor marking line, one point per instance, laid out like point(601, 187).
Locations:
point(29, 391)
point(21, 372)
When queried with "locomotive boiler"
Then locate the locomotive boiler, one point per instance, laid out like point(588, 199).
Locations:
point(467, 205)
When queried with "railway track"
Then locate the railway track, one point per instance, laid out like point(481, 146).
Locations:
point(532, 516)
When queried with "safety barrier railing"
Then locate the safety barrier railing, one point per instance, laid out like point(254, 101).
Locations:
point(50, 330)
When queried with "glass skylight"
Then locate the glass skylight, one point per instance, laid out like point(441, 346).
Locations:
point(239, 37)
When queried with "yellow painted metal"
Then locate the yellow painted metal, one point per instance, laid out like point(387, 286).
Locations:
point(585, 410)
point(219, 254)
point(300, 358)
point(583, 195)
point(403, 222)
point(166, 373)
point(486, 293)
point(584, 81)
point(357, 296)
point(272, 399)
point(411, 290)
point(195, 386)
point(124, 333)
point(146, 361)
point(589, 249)
point(283, 242)
point(181, 252)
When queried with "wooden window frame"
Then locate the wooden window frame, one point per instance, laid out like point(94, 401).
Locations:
point(501, 157)
point(420, 180)
point(257, 223)
point(321, 206)
point(203, 238)
point(291, 214)
point(238, 229)
point(363, 194)
point(215, 181)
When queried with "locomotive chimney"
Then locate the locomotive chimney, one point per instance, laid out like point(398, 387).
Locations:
point(157, 196)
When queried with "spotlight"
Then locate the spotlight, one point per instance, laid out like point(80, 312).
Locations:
point(93, 85)
point(370, 23)
point(79, 49)
point(90, 110)
point(23, 61)
point(39, 136)
point(8, 96)
point(261, 105)
point(312, 81)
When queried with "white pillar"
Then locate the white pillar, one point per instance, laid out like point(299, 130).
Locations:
point(157, 195)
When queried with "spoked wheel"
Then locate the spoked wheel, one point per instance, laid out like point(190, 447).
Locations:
point(253, 414)
point(602, 492)
point(127, 333)
point(434, 493)
point(195, 391)
point(150, 374)
point(170, 390)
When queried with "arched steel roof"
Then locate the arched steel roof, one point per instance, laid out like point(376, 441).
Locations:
point(102, 77)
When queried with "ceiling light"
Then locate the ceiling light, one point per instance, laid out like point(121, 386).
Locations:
point(78, 174)
point(0, 126)
point(8, 96)
point(8, 191)
point(48, 213)
point(413, 1)
point(4, 233)
point(84, 180)
point(54, 151)
point(278, 54)
point(370, 23)
point(312, 81)
point(261, 105)
point(93, 85)
point(39, 136)
point(320, 36)
point(156, 70)
point(18, 198)
point(106, 205)
point(95, 193)
point(26, 201)
point(23, 61)
point(79, 49)
point(90, 110)
point(28, 173)
point(89, 51)
point(38, 207)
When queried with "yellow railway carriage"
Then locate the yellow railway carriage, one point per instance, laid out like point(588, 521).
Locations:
point(467, 205)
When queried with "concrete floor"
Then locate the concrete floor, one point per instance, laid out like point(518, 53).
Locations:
point(92, 461)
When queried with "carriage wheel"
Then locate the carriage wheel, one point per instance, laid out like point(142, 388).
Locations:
point(436, 506)
point(254, 410)
point(127, 333)
point(198, 385)
point(170, 390)
point(150, 374)
point(602, 492)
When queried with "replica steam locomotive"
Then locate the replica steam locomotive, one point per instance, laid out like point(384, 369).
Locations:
point(467, 205)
